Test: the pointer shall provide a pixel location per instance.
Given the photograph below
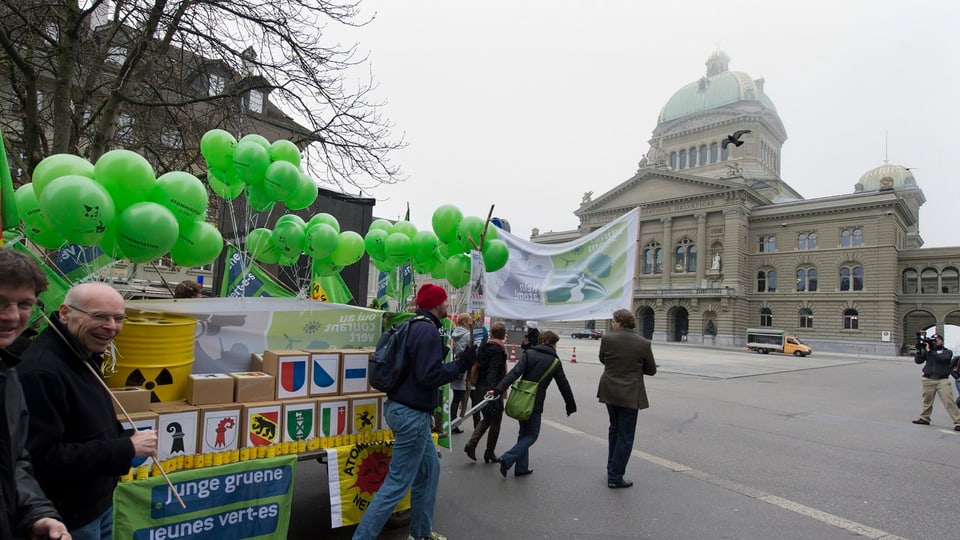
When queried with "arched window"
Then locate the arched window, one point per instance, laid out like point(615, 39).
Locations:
point(724, 154)
point(806, 318)
point(766, 317)
point(910, 281)
point(685, 256)
point(802, 241)
point(807, 280)
point(928, 281)
point(768, 244)
point(845, 238)
point(857, 237)
point(648, 254)
point(767, 281)
point(703, 155)
point(801, 280)
point(851, 320)
point(658, 261)
point(673, 160)
point(844, 279)
point(692, 259)
point(679, 259)
point(683, 159)
point(713, 152)
point(857, 278)
point(812, 241)
point(693, 156)
point(950, 280)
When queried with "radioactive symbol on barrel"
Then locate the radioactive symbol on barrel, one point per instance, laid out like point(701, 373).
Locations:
point(136, 378)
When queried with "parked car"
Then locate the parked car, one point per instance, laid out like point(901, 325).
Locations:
point(586, 333)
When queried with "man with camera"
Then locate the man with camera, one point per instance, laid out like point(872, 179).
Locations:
point(938, 366)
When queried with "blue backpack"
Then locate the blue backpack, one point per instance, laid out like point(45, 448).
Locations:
point(389, 363)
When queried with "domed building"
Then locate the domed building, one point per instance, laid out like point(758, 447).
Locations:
point(726, 244)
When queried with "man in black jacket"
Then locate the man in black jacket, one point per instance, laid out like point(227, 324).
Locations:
point(26, 510)
point(75, 439)
point(938, 362)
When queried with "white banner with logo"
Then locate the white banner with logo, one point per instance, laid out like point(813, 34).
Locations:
point(588, 278)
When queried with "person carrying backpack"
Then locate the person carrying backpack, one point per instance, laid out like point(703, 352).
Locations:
point(534, 363)
point(409, 412)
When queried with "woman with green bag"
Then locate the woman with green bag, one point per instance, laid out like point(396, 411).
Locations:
point(538, 363)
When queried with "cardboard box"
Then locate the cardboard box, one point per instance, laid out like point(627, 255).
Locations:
point(365, 412)
point(220, 427)
point(324, 372)
point(291, 369)
point(262, 424)
point(209, 388)
point(299, 419)
point(177, 429)
point(141, 421)
point(353, 375)
point(332, 416)
point(134, 399)
point(253, 386)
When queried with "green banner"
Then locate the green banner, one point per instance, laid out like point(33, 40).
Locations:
point(250, 499)
point(8, 207)
point(243, 278)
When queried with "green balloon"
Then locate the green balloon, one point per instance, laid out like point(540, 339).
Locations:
point(217, 148)
point(383, 265)
point(183, 194)
point(322, 241)
point(146, 231)
point(406, 228)
point(424, 246)
point(284, 150)
point(349, 249)
point(438, 270)
point(446, 219)
point(289, 237)
point(288, 259)
point(293, 218)
point(57, 165)
point(374, 242)
point(305, 194)
point(469, 232)
point(250, 160)
point(28, 206)
point(324, 217)
point(221, 188)
point(326, 267)
point(458, 270)
point(281, 180)
point(257, 198)
point(43, 236)
point(128, 177)
point(381, 224)
point(109, 243)
point(78, 208)
point(260, 246)
point(495, 255)
point(198, 243)
point(397, 248)
point(259, 139)
point(422, 267)
point(492, 233)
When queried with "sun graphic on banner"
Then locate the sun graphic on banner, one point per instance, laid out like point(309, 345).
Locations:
point(373, 468)
point(311, 327)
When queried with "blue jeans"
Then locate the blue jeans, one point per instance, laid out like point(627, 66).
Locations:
point(415, 465)
point(623, 426)
point(519, 455)
point(100, 528)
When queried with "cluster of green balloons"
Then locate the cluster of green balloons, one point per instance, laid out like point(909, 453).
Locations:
point(120, 205)
point(442, 252)
point(320, 238)
point(267, 172)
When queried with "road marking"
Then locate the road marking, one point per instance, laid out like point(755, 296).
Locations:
point(786, 504)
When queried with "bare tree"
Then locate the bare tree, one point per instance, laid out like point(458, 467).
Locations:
point(88, 76)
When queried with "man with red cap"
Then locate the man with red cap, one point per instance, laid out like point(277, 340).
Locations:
point(409, 413)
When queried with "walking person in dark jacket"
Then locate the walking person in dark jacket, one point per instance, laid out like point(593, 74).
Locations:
point(414, 465)
point(534, 362)
point(78, 449)
point(26, 510)
point(626, 358)
point(492, 364)
point(938, 363)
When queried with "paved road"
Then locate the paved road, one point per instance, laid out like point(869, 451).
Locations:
point(735, 445)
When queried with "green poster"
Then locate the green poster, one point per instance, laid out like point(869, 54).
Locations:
point(250, 499)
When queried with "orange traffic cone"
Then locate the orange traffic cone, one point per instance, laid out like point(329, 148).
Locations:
point(573, 359)
point(513, 353)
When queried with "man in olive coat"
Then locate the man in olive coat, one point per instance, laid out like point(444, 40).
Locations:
point(626, 358)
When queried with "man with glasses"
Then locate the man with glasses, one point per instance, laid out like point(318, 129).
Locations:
point(25, 509)
point(75, 439)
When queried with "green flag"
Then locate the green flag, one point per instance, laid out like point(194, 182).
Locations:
point(252, 283)
point(8, 206)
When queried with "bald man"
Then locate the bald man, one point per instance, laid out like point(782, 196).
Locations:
point(75, 439)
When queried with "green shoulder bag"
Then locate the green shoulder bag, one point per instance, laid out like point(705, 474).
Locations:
point(523, 395)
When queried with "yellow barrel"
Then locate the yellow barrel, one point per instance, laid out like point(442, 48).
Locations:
point(155, 352)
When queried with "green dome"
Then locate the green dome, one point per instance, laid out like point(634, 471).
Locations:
point(717, 89)
point(886, 176)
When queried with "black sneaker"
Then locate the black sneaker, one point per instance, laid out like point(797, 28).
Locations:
point(620, 485)
point(921, 422)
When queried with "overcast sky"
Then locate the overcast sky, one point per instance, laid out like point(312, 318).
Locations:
point(528, 104)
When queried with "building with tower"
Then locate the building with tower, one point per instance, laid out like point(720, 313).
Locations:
point(726, 244)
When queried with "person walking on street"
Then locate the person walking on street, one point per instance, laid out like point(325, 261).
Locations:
point(462, 337)
point(78, 448)
point(626, 358)
point(492, 364)
point(408, 410)
point(534, 362)
point(938, 363)
point(532, 335)
point(26, 510)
